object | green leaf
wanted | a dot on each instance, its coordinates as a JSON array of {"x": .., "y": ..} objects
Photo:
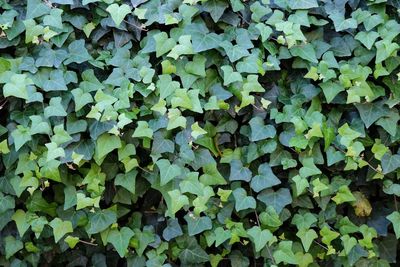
[
  {"x": 348, "y": 243},
  {"x": 367, "y": 38},
  {"x": 309, "y": 168},
  {"x": 259, "y": 131},
  {"x": 307, "y": 236},
  {"x": 328, "y": 235},
  {"x": 239, "y": 172},
  {"x": 143, "y": 130},
  {"x": 118, "y": 12},
  {"x": 127, "y": 181},
  {"x": 17, "y": 86},
  {"x": 276, "y": 199},
  {"x": 197, "y": 130},
  {"x": 305, "y": 52},
  {"x": 371, "y": 112},
  {"x": 100, "y": 221},
  {"x": 107, "y": 143},
  {"x": 197, "y": 225},
  {"x": 168, "y": 171},
  {"x": 60, "y": 228},
  {"x": 21, "y": 135},
  {"x": 331, "y": 90},
  {"x": 77, "y": 52},
  {"x": 390, "y": 163},
  {"x": 120, "y": 239},
  {"x": 36, "y": 8},
  {"x": 177, "y": 201},
  {"x": 343, "y": 195},
  {"x": 71, "y": 241},
  {"x": 242, "y": 201},
  {"x": 216, "y": 8},
  {"x": 12, "y": 246},
  {"x": 394, "y": 218},
  {"x": 20, "y": 218},
  {"x": 302, "y": 4},
  {"x": 259, "y": 237},
  {"x": 284, "y": 253},
  {"x": 192, "y": 253},
  {"x": 55, "y": 108},
  {"x": 221, "y": 236},
  {"x": 347, "y": 135},
  {"x": 265, "y": 178},
  {"x": 230, "y": 76},
  {"x": 163, "y": 43}
]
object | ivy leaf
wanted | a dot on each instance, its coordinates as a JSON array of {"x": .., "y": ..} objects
[
  {"x": 55, "y": 108},
  {"x": 71, "y": 241},
  {"x": 21, "y": 135},
  {"x": 259, "y": 237},
  {"x": 127, "y": 180},
  {"x": 197, "y": 130},
  {"x": 302, "y": 4},
  {"x": 168, "y": 171},
  {"x": 77, "y": 52},
  {"x": 192, "y": 253},
  {"x": 17, "y": 86},
  {"x": 284, "y": 253},
  {"x": 239, "y": 172},
  {"x": 394, "y": 218},
  {"x": 277, "y": 199},
  {"x": 390, "y": 162},
  {"x": 348, "y": 243},
  {"x": 107, "y": 143},
  {"x": 216, "y": 8},
  {"x": 172, "y": 230},
  {"x": 120, "y": 239},
  {"x": 309, "y": 168},
  {"x": 230, "y": 76},
  {"x": 36, "y": 8},
  {"x": 259, "y": 131},
  {"x": 343, "y": 195},
  {"x": 12, "y": 246},
  {"x": 265, "y": 178},
  {"x": 331, "y": 90},
  {"x": 371, "y": 112},
  {"x": 100, "y": 221},
  {"x": 221, "y": 236},
  {"x": 118, "y": 12},
  {"x": 242, "y": 201},
  {"x": 306, "y": 52},
  {"x": 367, "y": 38},
  {"x": 307, "y": 237},
  {"x": 163, "y": 43},
  {"x": 202, "y": 40},
  {"x": 143, "y": 130},
  {"x": 20, "y": 218},
  {"x": 177, "y": 202},
  {"x": 60, "y": 228},
  {"x": 197, "y": 225}
]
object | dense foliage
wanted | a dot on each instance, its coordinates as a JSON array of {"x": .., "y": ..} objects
[{"x": 199, "y": 132}]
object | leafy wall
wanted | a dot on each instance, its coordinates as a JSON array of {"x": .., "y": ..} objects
[{"x": 199, "y": 133}]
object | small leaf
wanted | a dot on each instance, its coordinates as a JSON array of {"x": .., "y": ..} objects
[
  {"x": 168, "y": 171},
  {"x": 120, "y": 239},
  {"x": 307, "y": 237},
  {"x": 60, "y": 228},
  {"x": 265, "y": 178},
  {"x": 118, "y": 12},
  {"x": 259, "y": 237},
  {"x": 390, "y": 162}
]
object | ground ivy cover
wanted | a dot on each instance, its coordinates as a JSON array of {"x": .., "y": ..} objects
[{"x": 199, "y": 132}]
